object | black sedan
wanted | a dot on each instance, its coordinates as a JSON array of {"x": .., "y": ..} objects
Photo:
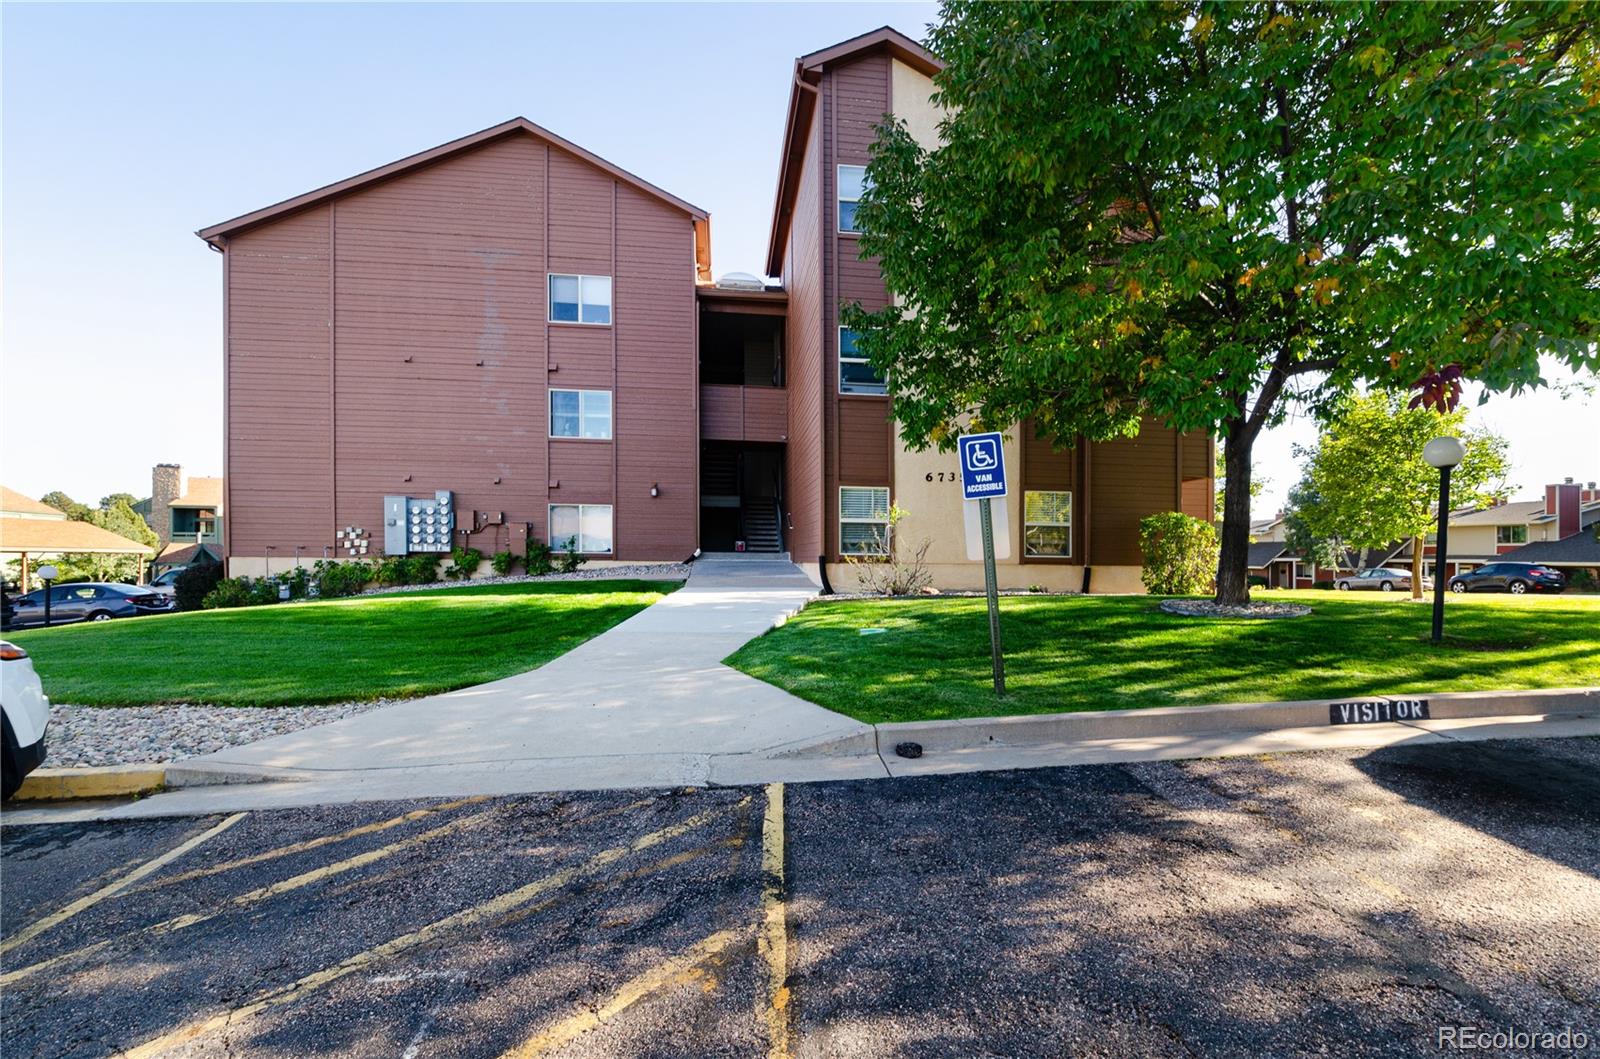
[
  {"x": 84, "y": 601},
  {"x": 1516, "y": 578}
]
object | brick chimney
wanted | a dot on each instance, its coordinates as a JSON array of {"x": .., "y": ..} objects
[
  {"x": 166, "y": 485},
  {"x": 1563, "y": 501}
]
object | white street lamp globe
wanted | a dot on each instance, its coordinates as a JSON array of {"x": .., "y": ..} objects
[
  {"x": 1444, "y": 452},
  {"x": 48, "y": 573}
]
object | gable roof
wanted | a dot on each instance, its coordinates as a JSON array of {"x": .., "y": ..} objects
[
  {"x": 42, "y": 535},
  {"x": 1579, "y": 549},
  {"x": 1263, "y": 552},
  {"x": 1517, "y": 513},
  {"x": 176, "y": 554},
  {"x": 200, "y": 492},
  {"x": 13, "y": 502},
  {"x": 218, "y": 234},
  {"x": 808, "y": 70}
]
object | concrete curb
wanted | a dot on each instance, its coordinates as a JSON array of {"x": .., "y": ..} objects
[
  {"x": 110, "y": 781},
  {"x": 973, "y": 732}
]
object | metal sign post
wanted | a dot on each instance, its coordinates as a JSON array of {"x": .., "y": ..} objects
[{"x": 983, "y": 478}]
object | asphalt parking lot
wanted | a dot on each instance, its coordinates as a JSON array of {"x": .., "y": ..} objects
[{"x": 1348, "y": 903}]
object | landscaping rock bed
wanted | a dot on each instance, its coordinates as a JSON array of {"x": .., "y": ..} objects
[
  {"x": 120, "y": 735},
  {"x": 651, "y": 571},
  {"x": 1204, "y": 608}
]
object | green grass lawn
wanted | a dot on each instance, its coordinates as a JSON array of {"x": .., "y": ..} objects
[
  {"x": 393, "y": 645},
  {"x": 1101, "y": 652}
]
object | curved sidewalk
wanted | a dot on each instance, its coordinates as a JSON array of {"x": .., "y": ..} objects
[{"x": 651, "y": 691}]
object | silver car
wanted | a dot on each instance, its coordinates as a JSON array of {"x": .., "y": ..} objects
[{"x": 1381, "y": 578}]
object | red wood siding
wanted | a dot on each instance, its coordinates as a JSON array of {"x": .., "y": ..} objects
[
  {"x": 278, "y": 388},
  {"x": 437, "y": 272},
  {"x": 743, "y": 413},
  {"x": 864, "y": 457},
  {"x": 421, "y": 359},
  {"x": 855, "y": 98},
  {"x": 1044, "y": 467},
  {"x": 657, "y": 419},
  {"x": 806, "y": 360},
  {"x": 1130, "y": 478}
]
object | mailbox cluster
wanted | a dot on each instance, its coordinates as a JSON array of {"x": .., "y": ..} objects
[
  {"x": 353, "y": 539},
  {"x": 418, "y": 525}
]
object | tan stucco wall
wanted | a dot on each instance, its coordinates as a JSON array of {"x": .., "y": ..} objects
[
  {"x": 1472, "y": 540},
  {"x": 934, "y": 508},
  {"x": 910, "y": 93},
  {"x": 968, "y": 577}
]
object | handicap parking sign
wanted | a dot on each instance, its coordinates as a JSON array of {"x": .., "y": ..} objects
[{"x": 983, "y": 467}]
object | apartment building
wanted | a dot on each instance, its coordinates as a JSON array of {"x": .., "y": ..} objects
[{"x": 508, "y": 336}]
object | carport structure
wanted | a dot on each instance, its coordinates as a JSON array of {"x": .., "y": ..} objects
[{"x": 36, "y": 539}]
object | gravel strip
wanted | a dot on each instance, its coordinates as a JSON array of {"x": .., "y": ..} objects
[
  {"x": 1204, "y": 608},
  {"x": 123, "y": 735},
  {"x": 647, "y": 571}
]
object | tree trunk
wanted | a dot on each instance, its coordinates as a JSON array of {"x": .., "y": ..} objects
[
  {"x": 1416, "y": 568},
  {"x": 1233, "y": 565}
]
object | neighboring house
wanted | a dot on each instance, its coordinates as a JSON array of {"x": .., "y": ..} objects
[
  {"x": 33, "y": 532},
  {"x": 186, "y": 514},
  {"x": 513, "y": 319},
  {"x": 1503, "y": 531}
]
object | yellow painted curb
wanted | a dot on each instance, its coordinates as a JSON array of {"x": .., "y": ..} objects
[{"x": 111, "y": 781}]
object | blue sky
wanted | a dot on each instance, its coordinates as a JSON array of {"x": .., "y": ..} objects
[{"x": 125, "y": 128}]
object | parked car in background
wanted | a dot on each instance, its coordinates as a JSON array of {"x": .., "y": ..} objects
[
  {"x": 85, "y": 601},
  {"x": 167, "y": 583},
  {"x": 1381, "y": 578},
  {"x": 24, "y": 713},
  {"x": 1516, "y": 578}
]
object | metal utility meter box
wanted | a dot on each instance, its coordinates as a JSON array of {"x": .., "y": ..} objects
[{"x": 412, "y": 525}]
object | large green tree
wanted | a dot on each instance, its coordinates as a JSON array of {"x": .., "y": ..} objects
[
  {"x": 1215, "y": 212},
  {"x": 1367, "y": 485},
  {"x": 66, "y": 505}
]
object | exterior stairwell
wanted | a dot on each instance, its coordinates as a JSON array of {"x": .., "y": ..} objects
[{"x": 762, "y": 532}]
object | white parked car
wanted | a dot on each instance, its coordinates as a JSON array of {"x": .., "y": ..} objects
[{"x": 24, "y": 711}]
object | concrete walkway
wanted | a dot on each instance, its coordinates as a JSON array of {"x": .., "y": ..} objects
[{"x": 651, "y": 691}]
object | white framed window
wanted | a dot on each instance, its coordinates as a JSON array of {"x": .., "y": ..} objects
[
  {"x": 1047, "y": 524},
  {"x": 580, "y": 414},
  {"x": 580, "y": 299},
  {"x": 863, "y": 520},
  {"x": 588, "y": 526},
  {"x": 852, "y": 184},
  {"x": 856, "y": 374},
  {"x": 1511, "y": 534}
]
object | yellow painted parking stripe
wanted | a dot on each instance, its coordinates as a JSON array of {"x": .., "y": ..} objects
[
  {"x": 773, "y": 940},
  {"x": 34, "y": 929},
  {"x": 317, "y": 843},
  {"x": 467, "y": 917},
  {"x": 252, "y": 896},
  {"x": 676, "y": 971}
]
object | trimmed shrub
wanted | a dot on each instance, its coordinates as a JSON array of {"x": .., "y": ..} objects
[
  {"x": 1257, "y": 581},
  {"x": 234, "y": 592},
  {"x": 464, "y": 562},
  {"x": 422, "y": 569},
  {"x": 333, "y": 579},
  {"x": 539, "y": 559},
  {"x": 195, "y": 582},
  {"x": 391, "y": 570},
  {"x": 1180, "y": 554},
  {"x": 263, "y": 591},
  {"x": 1322, "y": 584},
  {"x": 503, "y": 563},
  {"x": 569, "y": 560}
]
